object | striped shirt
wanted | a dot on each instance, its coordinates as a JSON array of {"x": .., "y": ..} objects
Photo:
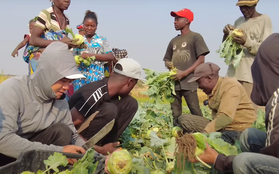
[
  {"x": 87, "y": 99},
  {"x": 47, "y": 20}
]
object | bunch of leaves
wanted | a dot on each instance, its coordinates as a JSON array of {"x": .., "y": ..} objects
[
  {"x": 85, "y": 165},
  {"x": 231, "y": 51},
  {"x": 190, "y": 146},
  {"x": 260, "y": 122},
  {"x": 149, "y": 138},
  {"x": 160, "y": 86}
]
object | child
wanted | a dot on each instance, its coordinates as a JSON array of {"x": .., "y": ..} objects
[
  {"x": 26, "y": 38},
  {"x": 81, "y": 30}
]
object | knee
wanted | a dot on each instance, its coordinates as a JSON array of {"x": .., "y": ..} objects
[
  {"x": 241, "y": 163},
  {"x": 244, "y": 139},
  {"x": 62, "y": 134}
]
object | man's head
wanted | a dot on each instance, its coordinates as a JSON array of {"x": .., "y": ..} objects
[
  {"x": 182, "y": 18},
  {"x": 247, "y": 7},
  {"x": 126, "y": 74},
  {"x": 206, "y": 75},
  {"x": 55, "y": 71}
]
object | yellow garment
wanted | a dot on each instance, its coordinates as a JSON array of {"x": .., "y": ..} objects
[{"x": 231, "y": 107}]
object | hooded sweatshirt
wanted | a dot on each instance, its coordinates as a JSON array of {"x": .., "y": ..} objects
[
  {"x": 265, "y": 72},
  {"x": 28, "y": 105}
]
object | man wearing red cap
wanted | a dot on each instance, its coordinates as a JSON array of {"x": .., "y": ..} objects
[
  {"x": 185, "y": 52},
  {"x": 256, "y": 28}
]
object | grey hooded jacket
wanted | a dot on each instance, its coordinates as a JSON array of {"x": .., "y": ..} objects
[{"x": 28, "y": 105}]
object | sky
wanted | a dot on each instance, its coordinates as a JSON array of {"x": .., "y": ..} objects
[{"x": 142, "y": 27}]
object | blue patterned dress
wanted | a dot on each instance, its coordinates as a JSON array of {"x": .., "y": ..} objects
[{"x": 95, "y": 71}]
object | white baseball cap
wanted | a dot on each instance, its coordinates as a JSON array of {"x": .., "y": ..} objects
[{"x": 130, "y": 68}]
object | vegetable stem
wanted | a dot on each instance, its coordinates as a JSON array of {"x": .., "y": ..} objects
[{"x": 203, "y": 162}]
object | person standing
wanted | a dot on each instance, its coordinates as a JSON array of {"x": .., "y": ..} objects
[
  {"x": 256, "y": 28},
  {"x": 97, "y": 46},
  {"x": 185, "y": 52},
  {"x": 50, "y": 27}
]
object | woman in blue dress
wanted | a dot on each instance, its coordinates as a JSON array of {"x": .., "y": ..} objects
[{"x": 97, "y": 46}]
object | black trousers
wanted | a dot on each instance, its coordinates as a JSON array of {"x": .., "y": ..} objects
[
  {"x": 192, "y": 100},
  {"x": 122, "y": 111},
  {"x": 58, "y": 134}
]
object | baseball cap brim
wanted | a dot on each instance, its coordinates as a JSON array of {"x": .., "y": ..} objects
[
  {"x": 173, "y": 13},
  {"x": 246, "y": 3},
  {"x": 193, "y": 79},
  {"x": 75, "y": 76}
]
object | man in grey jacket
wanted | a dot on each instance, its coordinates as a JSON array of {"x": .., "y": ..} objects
[{"x": 33, "y": 112}]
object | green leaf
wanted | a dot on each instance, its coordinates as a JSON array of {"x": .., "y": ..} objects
[
  {"x": 56, "y": 160},
  {"x": 200, "y": 138},
  {"x": 155, "y": 140}
]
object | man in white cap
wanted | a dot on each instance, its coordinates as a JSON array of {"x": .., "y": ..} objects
[
  {"x": 256, "y": 28},
  {"x": 110, "y": 97},
  {"x": 33, "y": 114}
]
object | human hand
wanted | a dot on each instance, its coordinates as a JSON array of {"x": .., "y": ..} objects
[
  {"x": 169, "y": 64},
  {"x": 109, "y": 148},
  {"x": 227, "y": 29},
  {"x": 209, "y": 156},
  {"x": 240, "y": 39},
  {"x": 179, "y": 75},
  {"x": 73, "y": 149},
  {"x": 85, "y": 55},
  {"x": 71, "y": 43},
  {"x": 15, "y": 53}
]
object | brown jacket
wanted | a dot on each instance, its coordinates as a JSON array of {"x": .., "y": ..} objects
[{"x": 231, "y": 107}]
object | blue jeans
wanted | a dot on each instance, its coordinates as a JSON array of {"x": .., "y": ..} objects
[
  {"x": 252, "y": 140},
  {"x": 255, "y": 163}
]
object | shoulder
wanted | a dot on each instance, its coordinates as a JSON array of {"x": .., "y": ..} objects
[
  {"x": 99, "y": 37},
  {"x": 240, "y": 19},
  {"x": 196, "y": 35},
  {"x": 175, "y": 38},
  {"x": 13, "y": 85},
  {"x": 230, "y": 83},
  {"x": 264, "y": 16}
]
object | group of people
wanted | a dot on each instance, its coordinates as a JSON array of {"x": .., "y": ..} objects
[
  {"x": 34, "y": 113},
  {"x": 234, "y": 99}
]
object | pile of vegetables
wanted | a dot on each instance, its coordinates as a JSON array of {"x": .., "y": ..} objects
[
  {"x": 85, "y": 165},
  {"x": 230, "y": 50},
  {"x": 86, "y": 62},
  {"x": 154, "y": 143},
  {"x": 160, "y": 86}
]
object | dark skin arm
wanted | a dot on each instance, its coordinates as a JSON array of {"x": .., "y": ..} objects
[
  {"x": 78, "y": 119},
  {"x": 19, "y": 46},
  {"x": 37, "y": 41},
  {"x": 181, "y": 74},
  {"x": 101, "y": 57}
]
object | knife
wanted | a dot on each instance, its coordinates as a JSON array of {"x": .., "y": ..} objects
[
  {"x": 99, "y": 135},
  {"x": 87, "y": 122}
]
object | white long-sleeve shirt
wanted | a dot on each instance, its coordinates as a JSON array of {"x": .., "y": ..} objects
[{"x": 257, "y": 30}]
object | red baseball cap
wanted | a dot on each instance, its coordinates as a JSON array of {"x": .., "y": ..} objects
[{"x": 184, "y": 13}]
